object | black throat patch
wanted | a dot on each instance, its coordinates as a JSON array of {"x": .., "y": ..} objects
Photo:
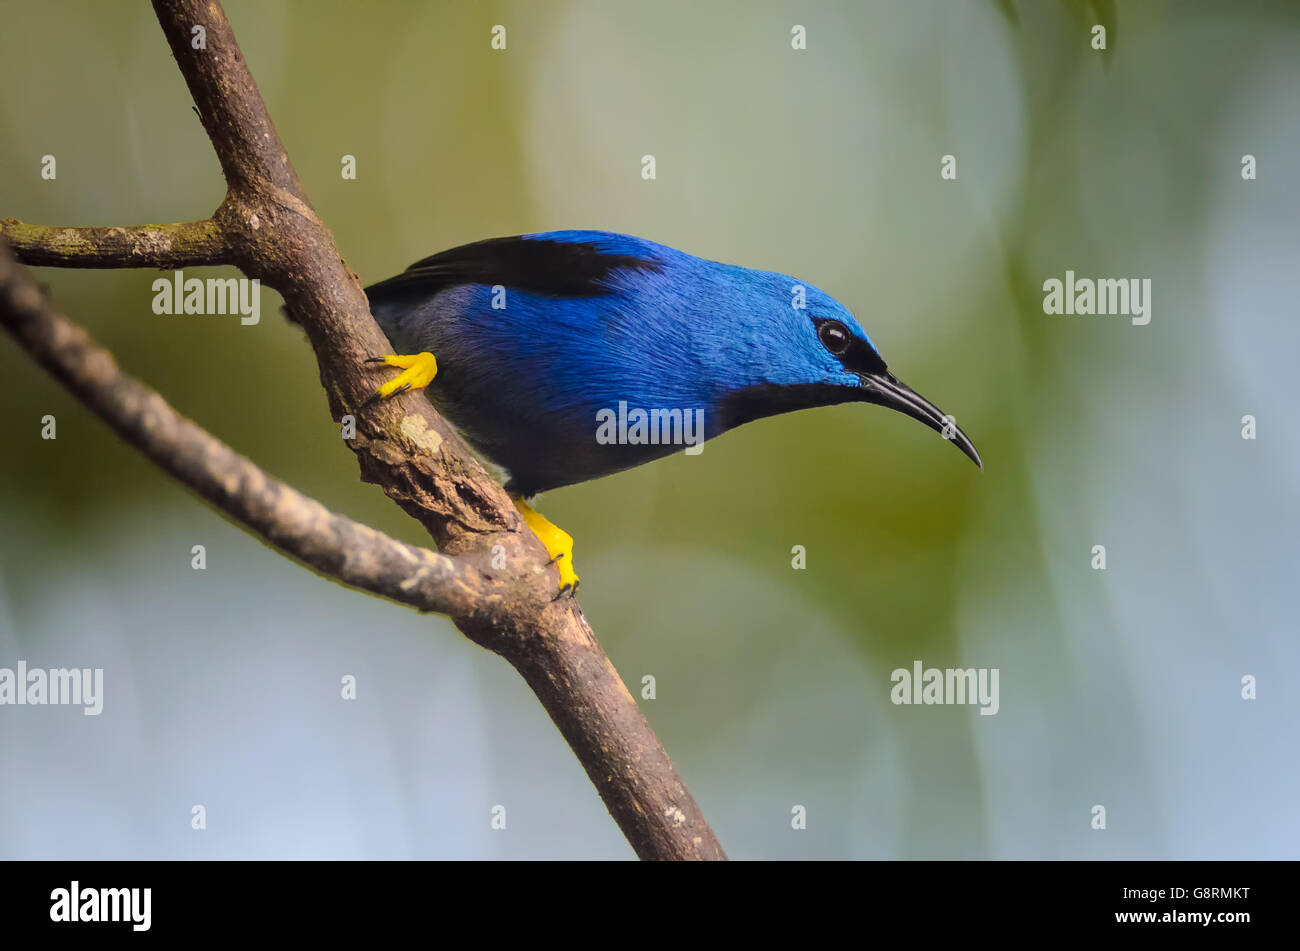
[{"x": 771, "y": 399}]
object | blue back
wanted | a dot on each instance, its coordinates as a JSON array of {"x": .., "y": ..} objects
[{"x": 656, "y": 328}]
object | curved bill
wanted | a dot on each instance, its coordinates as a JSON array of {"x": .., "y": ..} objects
[{"x": 885, "y": 389}]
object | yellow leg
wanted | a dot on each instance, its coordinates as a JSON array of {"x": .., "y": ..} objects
[
  {"x": 558, "y": 542},
  {"x": 418, "y": 371}
]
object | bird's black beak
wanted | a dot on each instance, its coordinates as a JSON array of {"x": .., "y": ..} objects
[{"x": 884, "y": 389}]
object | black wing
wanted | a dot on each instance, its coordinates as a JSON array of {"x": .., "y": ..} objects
[{"x": 532, "y": 265}]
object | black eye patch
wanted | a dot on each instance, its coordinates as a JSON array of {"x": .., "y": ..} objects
[{"x": 856, "y": 354}]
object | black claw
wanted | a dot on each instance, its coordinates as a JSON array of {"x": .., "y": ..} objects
[
  {"x": 556, "y": 558},
  {"x": 375, "y": 397},
  {"x": 374, "y": 359}
]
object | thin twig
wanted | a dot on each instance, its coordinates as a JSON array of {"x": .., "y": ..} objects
[{"x": 186, "y": 244}]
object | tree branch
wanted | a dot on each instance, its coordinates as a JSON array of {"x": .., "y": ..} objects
[
  {"x": 298, "y": 526},
  {"x": 188, "y": 244},
  {"x": 269, "y": 230}
]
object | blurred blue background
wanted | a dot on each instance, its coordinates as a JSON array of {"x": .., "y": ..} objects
[{"x": 1119, "y": 687}]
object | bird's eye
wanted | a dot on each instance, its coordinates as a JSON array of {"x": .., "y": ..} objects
[{"x": 834, "y": 336}]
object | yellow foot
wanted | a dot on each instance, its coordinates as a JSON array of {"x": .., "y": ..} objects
[
  {"x": 418, "y": 371},
  {"x": 558, "y": 542}
]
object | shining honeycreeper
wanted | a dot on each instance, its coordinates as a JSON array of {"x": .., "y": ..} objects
[{"x": 539, "y": 341}]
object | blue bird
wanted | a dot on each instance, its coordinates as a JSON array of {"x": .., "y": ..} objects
[{"x": 570, "y": 355}]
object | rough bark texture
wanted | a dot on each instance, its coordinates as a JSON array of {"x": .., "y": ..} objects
[{"x": 188, "y": 244}]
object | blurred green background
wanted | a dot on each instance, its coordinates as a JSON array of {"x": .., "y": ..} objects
[{"x": 1119, "y": 687}]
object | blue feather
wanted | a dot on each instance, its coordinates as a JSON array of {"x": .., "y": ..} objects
[{"x": 586, "y": 320}]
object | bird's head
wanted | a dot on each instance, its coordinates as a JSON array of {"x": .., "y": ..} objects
[{"x": 826, "y": 358}]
